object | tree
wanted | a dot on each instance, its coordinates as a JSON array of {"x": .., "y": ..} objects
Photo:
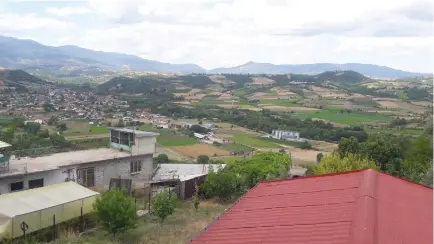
[
  {"x": 48, "y": 107},
  {"x": 121, "y": 123},
  {"x": 162, "y": 158},
  {"x": 196, "y": 200},
  {"x": 44, "y": 134},
  {"x": 222, "y": 184},
  {"x": 164, "y": 204},
  {"x": 333, "y": 163},
  {"x": 348, "y": 146},
  {"x": 202, "y": 159},
  {"x": 429, "y": 126},
  {"x": 52, "y": 120},
  {"x": 198, "y": 129},
  {"x": 262, "y": 166},
  {"x": 387, "y": 151},
  {"x": 418, "y": 159},
  {"x": 319, "y": 156},
  {"x": 428, "y": 177},
  {"x": 32, "y": 128},
  {"x": 61, "y": 127},
  {"x": 116, "y": 211}
]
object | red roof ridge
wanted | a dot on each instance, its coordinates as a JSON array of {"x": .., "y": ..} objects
[
  {"x": 364, "y": 223},
  {"x": 316, "y": 176}
]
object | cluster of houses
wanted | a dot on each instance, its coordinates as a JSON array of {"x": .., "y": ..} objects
[{"x": 63, "y": 104}]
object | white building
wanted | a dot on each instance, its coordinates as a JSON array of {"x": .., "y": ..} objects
[
  {"x": 285, "y": 135},
  {"x": 129, "y": 157}
]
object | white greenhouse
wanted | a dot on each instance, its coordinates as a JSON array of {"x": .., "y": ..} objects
[{"x": 36, "y": 207}]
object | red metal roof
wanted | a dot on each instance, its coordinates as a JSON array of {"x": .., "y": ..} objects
[{"x": 358, "y": 207}]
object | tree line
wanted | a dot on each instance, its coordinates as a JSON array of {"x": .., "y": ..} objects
[{"x": 266, "y": 121}]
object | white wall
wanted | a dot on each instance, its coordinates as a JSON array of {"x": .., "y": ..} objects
[
  {"x": 144, "y": 145},
  {"x": 50, "y": 177},
  {"x": 104, "y": 171}
]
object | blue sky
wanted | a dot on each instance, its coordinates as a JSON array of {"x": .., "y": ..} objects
[{"x": 216, "y": 33}]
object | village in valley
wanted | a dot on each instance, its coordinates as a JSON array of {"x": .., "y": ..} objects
[{"x": 165, "y": 122}]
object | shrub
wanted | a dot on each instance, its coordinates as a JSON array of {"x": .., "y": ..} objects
[
  {"x": 116, "y": 211},
  {"x": 162, "y": 158},
  {"x": 202, "y": 159},
  {"x": 164, "y": 204},
  {"x": 333, "y": 163}
]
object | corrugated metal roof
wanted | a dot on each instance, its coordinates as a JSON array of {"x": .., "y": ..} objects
[
  {"x": 138, "y": 133},
  {"x": 184, "y": 171},
  {"x": 19, "y": 203},
  {"x": 359, "y": 207},
  {"x": 4, "y": 144}
]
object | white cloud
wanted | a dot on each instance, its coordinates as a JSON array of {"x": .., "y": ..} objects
[
  {"x": 67, "y": 11},
  {"x": 217, "y": 33},
  {"x": 10, "y": 23}
]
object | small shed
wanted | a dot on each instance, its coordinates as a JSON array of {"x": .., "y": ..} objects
[
  {"x": 186, "y": 175},
  {"x": 36, "y": 207}
]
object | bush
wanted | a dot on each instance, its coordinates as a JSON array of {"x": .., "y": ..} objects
[
  {"x": 162, "y": 158},
  {"x": 164, "y": 204},
  {"x": 319, "y": 156},
  {"x": 216, "y": 143},
  {"x": 333, "y": 163},
  {"x": 222, "y": 184},
  {"x": 304, "y": 145},
  {"x": 202, "y": 159},
  {"x": 116, "y": 211}
]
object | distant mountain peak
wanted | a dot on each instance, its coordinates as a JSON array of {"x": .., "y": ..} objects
[{"x": 76, "y": 61}]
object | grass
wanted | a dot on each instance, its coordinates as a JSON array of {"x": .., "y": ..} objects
[
  {"x": 245, "y": 106},
  {"x": 296, "y": 144},
  {"x": 228, "y": 159},
  {"x": 177, "y": 228},
  {"x": 175, "y": 140},
  {"x": 85, "y": 129},
  {"x": 281, "y": 102},
  {"x": 4, "y": 120},
  {"x": 344, "y": 118},
  {"x": 365, "y": 102},
  {"x": 237, "y": 148},
  {"x": 253, "y": 141},
  {"x": 395, "y": 131}
]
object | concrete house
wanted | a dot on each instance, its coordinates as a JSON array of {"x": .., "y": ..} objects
[{"x": 129, "y": 156}]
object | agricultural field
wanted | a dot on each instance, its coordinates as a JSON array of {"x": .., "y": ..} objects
[
  {"x": 194, "y": 151},
  {"x": 396, "y": 131},
  {"x": 352, "y": 118},
  {"x": 92, "y": 143},
  {"x": 237, "y": 148},
  {"x": 4, "y": 120},
  {"x": 253, "y": 141},
  {"x": 80, "y": 128},
  {"x": 228, "y": 159},
  {"x": 170, "y": 140}
]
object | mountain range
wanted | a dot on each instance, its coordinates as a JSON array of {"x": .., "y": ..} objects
[{"x": 73, "y": 61}]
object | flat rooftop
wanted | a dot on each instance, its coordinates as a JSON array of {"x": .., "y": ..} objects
[
  {"x": 138, "y": 133},
  {"x": 56, "y": 160}
]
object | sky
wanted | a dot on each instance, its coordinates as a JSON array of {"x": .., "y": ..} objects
[{"x": 225, "y": 33}]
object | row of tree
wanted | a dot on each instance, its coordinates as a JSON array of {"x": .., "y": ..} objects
[
  {"x": 400, "y": 156},
  {"x": 266, "y": 121}
]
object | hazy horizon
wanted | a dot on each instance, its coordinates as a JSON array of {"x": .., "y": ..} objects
[{"x": 227, "y": 33}]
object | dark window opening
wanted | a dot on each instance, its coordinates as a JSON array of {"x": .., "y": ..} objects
[
  {"x": 86, "y": 177},
  {"x": 135, "y": 166},
  {"x": 36, "y": 183},
  {"x": 17, "y": 186}
]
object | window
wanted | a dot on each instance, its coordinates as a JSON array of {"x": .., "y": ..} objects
[
  {"x": 135, "y": 166},
  {"x": 17, "y": 186},
  {"x": 86, "y": 177},
  {"x": 36, "y": 183}
]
